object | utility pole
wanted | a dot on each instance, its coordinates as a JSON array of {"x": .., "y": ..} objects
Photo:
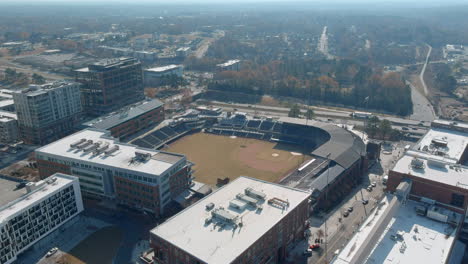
[{"x": 326, "y": 201}]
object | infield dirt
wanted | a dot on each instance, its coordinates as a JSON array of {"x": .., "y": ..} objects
[{"x": 222, "y": 156}]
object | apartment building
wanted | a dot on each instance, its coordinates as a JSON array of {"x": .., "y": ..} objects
[
  {"x": 110, "y": 84},
  {"x": 8, "y": 128},
  {"x": 131, "y": 119},
  {"x": 246, "y": 221},
  {"x": 31, "y": 213},
  {"x": 48, "y": 112},
  {"x": 144, "y": 179}
]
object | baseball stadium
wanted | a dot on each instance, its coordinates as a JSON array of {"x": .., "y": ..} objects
[{"x": 304, "y": 154}]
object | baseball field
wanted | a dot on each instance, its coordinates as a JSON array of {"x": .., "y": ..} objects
[{"x": 223, "y": 156}]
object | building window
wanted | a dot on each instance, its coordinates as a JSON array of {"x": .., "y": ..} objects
[{"x": 457, "y": 200}]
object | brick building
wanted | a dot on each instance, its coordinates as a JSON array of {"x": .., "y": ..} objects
[
  {"x": 246, "y": 221},
  {"x": 436, "y": 165},
  {"x": 110, "y": 84},
  {"x": 131, "y": 119},
  {"x": 142, "y": 178}
]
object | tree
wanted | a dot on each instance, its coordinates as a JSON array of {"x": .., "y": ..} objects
[
  {"x": 310, "y": 113},
  {"x": 37, "y": 78},
  {"x": 385, "y": 128},
  {"x": 372, "y": 125},
  {"x": 294, "y": 111},
  {"x": 10, "y": 75}
]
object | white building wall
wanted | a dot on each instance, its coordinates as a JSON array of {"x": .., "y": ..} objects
[{"x": 27, "y": 226}]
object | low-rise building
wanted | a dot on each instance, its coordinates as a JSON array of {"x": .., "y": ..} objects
[
  {"x": 131, "y": 119},
  {"x": 30, "y": 213},
  {"x": 230, "y": 65},
  {"x": 437, "y": 166},
  {"x": 246, "y": 221},
  {"x": 399, "y": 230},
  {"x": 48, "y": 112},
  {"x": 153, "y": 76},
  {"x": 8, "y": 128},
  {"x": 141, "y": 178}
]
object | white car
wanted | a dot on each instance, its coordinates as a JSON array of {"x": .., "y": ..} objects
[{"x": 51, "y": 252}]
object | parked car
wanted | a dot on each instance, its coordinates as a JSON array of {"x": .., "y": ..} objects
[
  {"x": 51, "y": 252},
  {"x": 345, "y": 213},
  {"x": 364, "y": 202},
  {"x": 350, "y": 209},
  {"x": 369, "y": 188},
  {"x": 315, "y": 246},
  {"x": 307, "y": 252},
  {"x": 374, "y": 184}
]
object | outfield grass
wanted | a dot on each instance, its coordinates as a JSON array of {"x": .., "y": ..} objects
[{"x": 222, "y": 156}]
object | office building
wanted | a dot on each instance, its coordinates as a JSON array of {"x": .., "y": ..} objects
[
  {"x": 153, "y": 76},
  {"x": 6, "y": 100},
  {"x": 131, "y": 119},
  {"x": 47, "y": 112},
  {"x": 8, "y": 128},
  {"x": 111, "y": 84},
  {"x": 246, "y": 221},
  {"x": 437, "y": 166},
  {"x": 144, "y": 179},
  {"x": 28, "y": 214}
]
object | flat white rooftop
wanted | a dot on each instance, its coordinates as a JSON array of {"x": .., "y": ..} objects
[
  {"x": 189, "y": 232},
  {"x": 163, "y": 68},
  {"x": 156, "y": 165},
  {"x": 424, "y": 240},
  {"x": 434, "y": 170},
  {"x": 228, "y": 63},
  {"x": 6, "y": 116},
  {"x": 455, "y": 141},
  {"x": 41, "y": 190}
]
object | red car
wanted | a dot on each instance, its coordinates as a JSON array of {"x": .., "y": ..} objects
[{"x": 314, "y": 246}]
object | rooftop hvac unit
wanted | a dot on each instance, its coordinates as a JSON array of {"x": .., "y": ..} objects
[
  {"x": 142, "y": 156},
  {"x": 254, "y": 194},
  {"x": 101, "y": 148},
  {"x": 238, "y": 204},
  {"x": 209, "y": 206},
  {"x": 76, "y": 143},
  {"x": 436, "y": 163},
  {"x": 91, "y": 147},
  {"x": 417, "y": 163},
  {"x": 111, "y": 150},
  {"x": 247, "y": 199},
  {"x": 223, "y": 215},
  {"x": 85, "y": 144}
]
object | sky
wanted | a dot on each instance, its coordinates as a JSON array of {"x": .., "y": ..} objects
[{"x": 422, "y": 2}]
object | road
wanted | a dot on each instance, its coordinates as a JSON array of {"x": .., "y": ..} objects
[
  {"x": 421, "y": 75},
  {"x": 319, "y": 112},
  {"x": 422, "y": 108}
]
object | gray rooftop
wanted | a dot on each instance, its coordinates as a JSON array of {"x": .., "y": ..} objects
[
  {"x": 8, "y": 191},
  {"x": 124, "y": 114}
]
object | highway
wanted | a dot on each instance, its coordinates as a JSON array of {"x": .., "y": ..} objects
[
  {"x": 323, "y": 43},
  {"x": 341, "y": 116},
  {"x": 421, "y": 75}
]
